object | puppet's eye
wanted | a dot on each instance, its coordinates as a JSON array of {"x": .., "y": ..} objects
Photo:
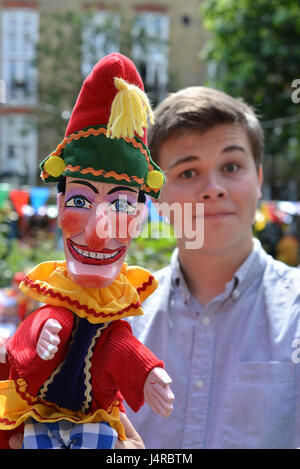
[
  {"x": 122, "y": 205},
  {"x": 78, "y": 201}
]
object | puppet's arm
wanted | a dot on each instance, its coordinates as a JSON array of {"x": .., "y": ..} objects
[
  {"x": 133, "y": 369},
  {"x": 24, "y": 360}
]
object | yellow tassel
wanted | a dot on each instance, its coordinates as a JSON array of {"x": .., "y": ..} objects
[{"x": 129, "y": 111}]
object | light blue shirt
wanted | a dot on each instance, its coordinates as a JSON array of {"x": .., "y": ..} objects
[{"x": 235, "y": 363}]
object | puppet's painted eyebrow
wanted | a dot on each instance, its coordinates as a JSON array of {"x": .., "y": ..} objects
[
  {"x": 85, "y": 183},
  {"x": 115, "y": 189},
  {"x": 121, "y": 188}
]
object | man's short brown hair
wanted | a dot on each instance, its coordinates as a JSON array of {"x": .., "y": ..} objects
[{"x": 200, "y": 109}]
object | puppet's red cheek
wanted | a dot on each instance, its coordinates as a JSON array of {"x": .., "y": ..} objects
[{"x": 72, "y": 222}]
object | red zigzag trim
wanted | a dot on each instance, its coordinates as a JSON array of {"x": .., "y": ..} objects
[
  {"x": 8, "y": 422},
  {"x": 48, "y": 291},
  {"x": 145, "y": 284}
]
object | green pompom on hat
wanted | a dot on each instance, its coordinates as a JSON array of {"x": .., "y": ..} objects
[{"x": 106, "y": 137}]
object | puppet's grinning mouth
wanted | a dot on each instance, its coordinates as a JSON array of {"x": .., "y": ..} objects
[{"x": 106, "y": 256}]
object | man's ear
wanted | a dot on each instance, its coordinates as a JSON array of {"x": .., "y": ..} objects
[
  {"x": 260, "y": 180},
  {"x": 60, "y": 204}
]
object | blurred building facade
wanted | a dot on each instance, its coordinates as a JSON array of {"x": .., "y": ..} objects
[{"x": 166, "y": 37}]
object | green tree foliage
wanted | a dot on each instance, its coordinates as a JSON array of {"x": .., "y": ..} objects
[
  {"x": 60, "y": 51},
  {"x": 58, "y": 61},
  {"x": 255, "y": 47}
]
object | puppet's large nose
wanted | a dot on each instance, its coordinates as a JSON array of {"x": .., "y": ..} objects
[{"x": 97, "y": 229}]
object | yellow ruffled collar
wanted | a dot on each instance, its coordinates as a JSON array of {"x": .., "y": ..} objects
[{"x": 49, "y": 283}]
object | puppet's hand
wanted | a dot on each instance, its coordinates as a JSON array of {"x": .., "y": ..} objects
[
  {"x": 47, "y": 344},
  {"x": 157, "y": 391}
]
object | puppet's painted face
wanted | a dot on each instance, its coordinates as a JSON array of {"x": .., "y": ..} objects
[{"x": 98, "y": 221}]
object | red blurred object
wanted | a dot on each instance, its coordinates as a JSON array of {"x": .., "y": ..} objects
[
  {"x": 18, "y": 277},
  {"x": 19, "y": 199}
]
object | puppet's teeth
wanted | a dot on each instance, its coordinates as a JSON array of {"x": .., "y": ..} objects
[
  {"x": 85, "y": 253},
  {"x": 96, "y": 255},
  {"x": 110, "y": 256}
]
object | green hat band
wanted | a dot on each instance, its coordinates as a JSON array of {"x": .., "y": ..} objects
[{"x": 89, "y": 154}]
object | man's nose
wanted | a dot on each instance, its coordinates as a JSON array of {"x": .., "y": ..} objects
[
  {"x": 212, "y": 188},
  {"x": 97, "y": 230}
]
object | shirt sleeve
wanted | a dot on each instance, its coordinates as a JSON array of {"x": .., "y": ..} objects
[{"x": 24, "y": 361}]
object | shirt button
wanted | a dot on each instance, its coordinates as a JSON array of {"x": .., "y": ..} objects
[
  {"x": 199, "y": 383},
  {"x": 235, "y": 294},
  {"x": 206, "y": 321}
]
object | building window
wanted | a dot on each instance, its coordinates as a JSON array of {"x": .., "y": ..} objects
[
  {"x": 100, "y": 37},
  {"x": 19, "y": 35},
  {"x": 18, "y": 147},
  {"x": 150, "y": 51}
]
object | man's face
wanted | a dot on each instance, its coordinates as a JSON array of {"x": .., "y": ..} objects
[
  {"x": 97, "y": 221},
  {"x": 217, "y": 169}
]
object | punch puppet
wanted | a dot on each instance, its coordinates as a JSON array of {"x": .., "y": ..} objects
[{"x": 74, "y": 360}]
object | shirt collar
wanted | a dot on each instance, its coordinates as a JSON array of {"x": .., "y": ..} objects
[
  {"x": 250, "y": 269},
  {"x": 178, "y": 280}
]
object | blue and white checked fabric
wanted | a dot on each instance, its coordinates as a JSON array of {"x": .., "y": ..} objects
[{"x": 68, "y": 435}]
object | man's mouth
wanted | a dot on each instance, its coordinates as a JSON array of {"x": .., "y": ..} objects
[{"x": 89, "y": 256}]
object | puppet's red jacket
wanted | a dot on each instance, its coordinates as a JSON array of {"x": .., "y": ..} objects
[
  {"x": 119, "y": 362},
  {"x": 97, "y": 361}
]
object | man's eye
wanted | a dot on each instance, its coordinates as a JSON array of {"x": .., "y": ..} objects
[
  {"x": 232, "y": 168},
  {"x": 78, "y": 202},
  {"x": 188, "y": 174},
  {"x": 122, "y": 205}
]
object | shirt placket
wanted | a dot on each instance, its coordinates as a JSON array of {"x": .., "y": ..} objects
[{"x": 201, "y": 370}]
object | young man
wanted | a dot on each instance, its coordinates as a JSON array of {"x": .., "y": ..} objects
[{"x": 226, "y": 316}]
